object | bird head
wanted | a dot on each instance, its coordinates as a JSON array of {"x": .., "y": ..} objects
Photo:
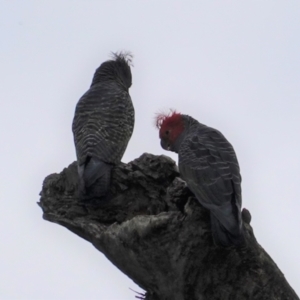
[
  {"x": 170, "y": 128},
  {"x": 117, "y": 69}
]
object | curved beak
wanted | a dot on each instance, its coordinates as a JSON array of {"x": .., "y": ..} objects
[{"x": 165, "y": 145}]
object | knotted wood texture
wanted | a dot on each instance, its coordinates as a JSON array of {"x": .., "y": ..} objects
[{"x": 155, "y": 232}]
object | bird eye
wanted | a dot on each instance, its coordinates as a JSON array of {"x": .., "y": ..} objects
[{"x": 167, "y": 132}]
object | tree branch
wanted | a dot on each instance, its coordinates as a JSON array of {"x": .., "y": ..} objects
[{"x": 156, "y": 232}]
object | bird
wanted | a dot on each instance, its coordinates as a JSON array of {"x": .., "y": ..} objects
[
  {"x": 102, "y": 125},
  {"x": 208, "y": 164}
]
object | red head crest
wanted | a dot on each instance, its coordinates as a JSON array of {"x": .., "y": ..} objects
[{"x": 171, "y": 121}]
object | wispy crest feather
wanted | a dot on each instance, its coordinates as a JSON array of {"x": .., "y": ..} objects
[
  {"x": 126, "y": 56},
  {"x": 161, "y": 117}
]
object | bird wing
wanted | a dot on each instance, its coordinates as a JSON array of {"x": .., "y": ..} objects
[
  {"x": 103, "y": 123},
  {"x": 207, "y": 162}
]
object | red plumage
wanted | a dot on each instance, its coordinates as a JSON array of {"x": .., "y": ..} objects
[{"x": 169, "y": 122}]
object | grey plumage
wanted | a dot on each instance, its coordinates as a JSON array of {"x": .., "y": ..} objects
[
  {"x": 208, "y": 164},
  {"x": 103, "y": 125}
]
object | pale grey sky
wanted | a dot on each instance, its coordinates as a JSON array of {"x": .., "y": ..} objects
[{"x": 233, "y": 65}]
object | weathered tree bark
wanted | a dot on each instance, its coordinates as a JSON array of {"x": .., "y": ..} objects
[{"x": 155, "y": 232}]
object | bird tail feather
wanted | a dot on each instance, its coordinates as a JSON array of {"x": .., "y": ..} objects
[
  {"x": 222, "y": 237},
  {"x": 94, "y": 178}
]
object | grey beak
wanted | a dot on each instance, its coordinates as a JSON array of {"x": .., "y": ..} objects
[{"x": 164, "y": 145}]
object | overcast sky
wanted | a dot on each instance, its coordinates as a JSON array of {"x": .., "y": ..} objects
[{"x": 232, "y": 65}]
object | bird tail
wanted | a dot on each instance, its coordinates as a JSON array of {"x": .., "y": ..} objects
[
  {"x": 222, "y": 237},
  {"x": 94, "y": 179}
]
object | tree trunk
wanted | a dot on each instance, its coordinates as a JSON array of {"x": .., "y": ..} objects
[{"x": 156, "y": 232}]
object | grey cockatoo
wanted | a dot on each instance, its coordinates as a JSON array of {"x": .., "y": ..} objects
[
  {"x": 208, "y": 164},
  {"x": 102, "y": 125}
]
